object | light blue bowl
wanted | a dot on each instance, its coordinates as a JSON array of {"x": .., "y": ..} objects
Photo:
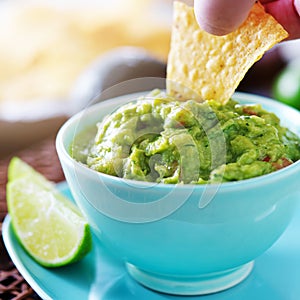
[{"x": 183, "y": 239}]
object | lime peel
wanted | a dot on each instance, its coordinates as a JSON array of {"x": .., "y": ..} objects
[{"x": 49, "y": 227}]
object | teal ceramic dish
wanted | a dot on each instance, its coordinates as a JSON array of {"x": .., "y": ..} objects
[
  {"x": 100, "y": 275},
  {"x": 183, "y": 239}
]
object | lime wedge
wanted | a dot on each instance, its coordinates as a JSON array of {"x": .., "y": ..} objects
[
  {"x": 49, "y": 227},
  {"x": 18, "y": 168}
]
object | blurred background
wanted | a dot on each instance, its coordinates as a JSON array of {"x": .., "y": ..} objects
[{"x": 56, "y": 55}]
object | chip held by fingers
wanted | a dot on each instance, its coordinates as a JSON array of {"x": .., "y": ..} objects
[{"x": 202, "y": 66}]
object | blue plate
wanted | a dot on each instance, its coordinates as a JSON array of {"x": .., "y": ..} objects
[{"x": 101, "y": 276}]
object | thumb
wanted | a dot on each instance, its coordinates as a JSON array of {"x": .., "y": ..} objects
[{"x": 221, "y": 17}]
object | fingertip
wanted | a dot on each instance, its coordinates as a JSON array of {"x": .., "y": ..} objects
[
  {"x": 297, "y": 6},
  {"x": 287, "y": 14},
  {"x": 211, "y": 28},
  {"x": 221, "y": 17},
  {"x": 205, "y": 19}
]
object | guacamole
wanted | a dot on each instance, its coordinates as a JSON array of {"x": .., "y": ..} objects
[{"x": 159, "y": 139}]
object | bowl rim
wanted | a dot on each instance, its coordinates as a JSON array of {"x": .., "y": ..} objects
[{"x": 254, "y": 182}]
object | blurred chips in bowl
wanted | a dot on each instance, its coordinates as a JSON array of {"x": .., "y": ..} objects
[{"x": 45, "y": 45}]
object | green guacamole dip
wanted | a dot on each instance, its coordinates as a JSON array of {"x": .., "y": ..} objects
[{"x": 158, "y": 139}]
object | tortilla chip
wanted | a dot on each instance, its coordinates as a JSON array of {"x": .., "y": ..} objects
[{"x": 202, "y": 66}]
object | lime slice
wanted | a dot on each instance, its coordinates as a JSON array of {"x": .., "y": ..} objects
[
  {"x": 286, "y": 87},
  {"x": 49, "y": 227},
  {"x": 18, "y": 168}
]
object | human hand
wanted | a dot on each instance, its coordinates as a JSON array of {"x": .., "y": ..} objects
[{"x": 221, "y": 17}]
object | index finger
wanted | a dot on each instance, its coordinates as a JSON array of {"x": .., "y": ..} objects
[{"x": 287, "y": 13}]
